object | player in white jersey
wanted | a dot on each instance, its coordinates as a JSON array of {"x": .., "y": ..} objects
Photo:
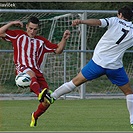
[
  {"x": 118, "y": 37},
  {"x": 107, "y": 57}
]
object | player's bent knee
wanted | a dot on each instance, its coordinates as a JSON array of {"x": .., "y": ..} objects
[
  {"x": 128, "y": 91},
  {"x": 31, "y": 73}
]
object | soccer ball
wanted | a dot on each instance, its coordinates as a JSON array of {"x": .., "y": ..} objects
[{"x": 23, "y": 80}]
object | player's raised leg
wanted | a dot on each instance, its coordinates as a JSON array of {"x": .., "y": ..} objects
[
  {"x": 67, "y": 87},
  {"x": 89, "y": 72}
]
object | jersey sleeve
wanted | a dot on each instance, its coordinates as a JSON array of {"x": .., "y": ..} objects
[
  {"x": 10, "y": 35},
  {"x": 106, "y": 22},
  {"x": 49, "y": 47}
]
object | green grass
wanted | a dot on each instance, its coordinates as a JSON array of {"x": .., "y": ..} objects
[{"x": 66, "y": 115}]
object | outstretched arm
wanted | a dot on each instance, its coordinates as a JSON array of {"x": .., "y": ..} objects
[
  {"x": 62, "y": 43},
  {"x": 5, "y": 27},
  {"x": 91, "y": 22}
]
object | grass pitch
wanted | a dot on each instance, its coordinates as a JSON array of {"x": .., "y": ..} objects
[{"x": 66, "y": 115}]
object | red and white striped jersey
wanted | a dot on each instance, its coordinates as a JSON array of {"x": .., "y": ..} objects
[{"x": 28, "y": 51}]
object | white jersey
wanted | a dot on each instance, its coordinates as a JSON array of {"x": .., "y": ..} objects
[{"x": 111, "y": 47}]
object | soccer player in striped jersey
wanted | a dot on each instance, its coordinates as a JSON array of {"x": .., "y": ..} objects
[
  {"x": 29, "y": 49},
  {"x": 107, "y": 57}
]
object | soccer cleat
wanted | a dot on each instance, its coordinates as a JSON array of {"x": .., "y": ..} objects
[
  {"x": 132, "y": 126},
  {"x": 33, "y": 121},
  {"x": 42, "y": 95},
  {"x": 48, "y": 97}
]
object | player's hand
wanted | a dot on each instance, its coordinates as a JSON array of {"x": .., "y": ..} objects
[
  {"x": 76, "y": 22},
  {"x": 66, "y": 34},
  {"x": 17, "y": 23}
]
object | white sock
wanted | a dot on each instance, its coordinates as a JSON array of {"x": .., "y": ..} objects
[
  {"x": 129, "y": 99},
  {"x": 63, "y": 89}
]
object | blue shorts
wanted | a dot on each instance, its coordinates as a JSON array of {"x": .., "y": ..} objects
[{"x": 116, "y": 76}]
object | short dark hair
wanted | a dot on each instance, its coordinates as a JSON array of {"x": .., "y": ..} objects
[
  {"x": 126, "y": 12},
  {"x": 33, "y": 20}
]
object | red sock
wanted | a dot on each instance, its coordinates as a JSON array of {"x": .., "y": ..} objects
[
  {"x": 41, "y": 109},
  {"x": 34, "y": 86}
]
